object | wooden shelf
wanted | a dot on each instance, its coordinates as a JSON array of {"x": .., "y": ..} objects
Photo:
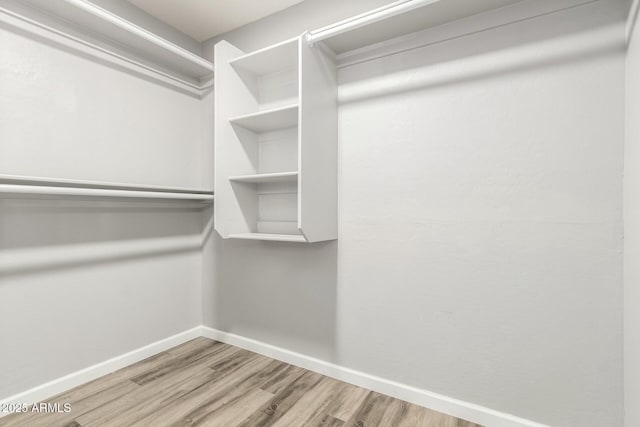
[
  {"x": 273, "y": 237},
  {"x": 269, "y": 60},
  {"x": 266, "y": 120},
  {"x": 266, "y": 178}
]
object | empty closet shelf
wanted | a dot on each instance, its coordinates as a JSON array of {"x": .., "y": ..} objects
[
  {"x": 265, "y": 236},
  {"x": 267, "y": 120},
  {"x": 266, "y": 178},
  {"x": 269, "y": 59}
]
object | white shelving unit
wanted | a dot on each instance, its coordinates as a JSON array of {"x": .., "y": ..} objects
[{"x": 276, "y": 143}]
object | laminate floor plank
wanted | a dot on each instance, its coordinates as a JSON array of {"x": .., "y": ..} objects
[
  {"x": 161, "y": 385},
  {"x": 149, "y": 398},
  {"x": 180, "y": 362},
  {"x": 283, "y": 379},
  {"x": 400, "y": 414},
  {"x": 190, "y": 346},
  {"x": 89, "y": 403},
  {"x": 212, "y": 395},
  {"x": 371, "y": 410},
  {"x": 397, "y": 414},
  {"x": 233, "y": 412},
  {"x": 313, "y": 406},
  {"x": 162, "y": 391},
  {"x": 327, "y": 421},
  {"x": 347, "y": 401},
  {"x": 206, "y": 383},
  {"x": 102, "y": 384},
  {"x": 437, "y": 419},
  {"x": 233, "y": 396}
]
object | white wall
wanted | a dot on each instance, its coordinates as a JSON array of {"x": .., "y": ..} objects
[
  {"x": 480, "y": 222},
  {"x": 84, "y": 281},
  {"x": 632, "y": 229}
]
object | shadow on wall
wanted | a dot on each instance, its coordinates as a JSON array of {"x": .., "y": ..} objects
[
  {"x": 37, "y": 235},
  {"x": 253, "y": 293}
]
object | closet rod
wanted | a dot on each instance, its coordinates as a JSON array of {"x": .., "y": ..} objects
[
  {"x": 38, "y": 186},
  {"x": 40, "y": 190},
  {"x": 370, "y": 17}
]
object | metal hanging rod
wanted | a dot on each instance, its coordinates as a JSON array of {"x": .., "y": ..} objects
[{"x": 38, "y": 186}]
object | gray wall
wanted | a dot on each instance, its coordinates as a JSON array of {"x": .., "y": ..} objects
[
  {"x": 83, "y": 281},
  {"x": 632, "y": 231},
  {"x": 480, "y": 222}
]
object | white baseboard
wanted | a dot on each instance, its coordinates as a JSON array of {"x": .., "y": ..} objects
[
  {"x": 59, "y": 385},
  {"x": 457, "y": 408}
]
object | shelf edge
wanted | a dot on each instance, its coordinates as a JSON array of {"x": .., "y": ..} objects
[
  {"x": 295, "y": 238},
  {"x": 263, "y": 176},
  {"x": 264, "y": 112}
]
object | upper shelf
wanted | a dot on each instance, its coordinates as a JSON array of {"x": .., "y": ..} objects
[
  {"x": 268, "y": 60},
  {"x": 106, "y": 25},
  {"x": 266, "y": 178},
  {"x": 266, "y": 120},
  {"x": 397, "y": 19}
]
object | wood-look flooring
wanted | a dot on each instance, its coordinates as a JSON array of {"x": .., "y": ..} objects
[{"x": 208, "y": 383}]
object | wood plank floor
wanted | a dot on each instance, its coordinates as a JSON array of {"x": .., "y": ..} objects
[{"x": 208, "y": 383}]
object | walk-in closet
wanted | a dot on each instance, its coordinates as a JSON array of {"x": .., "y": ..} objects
[{"x": 304, "y": 213}]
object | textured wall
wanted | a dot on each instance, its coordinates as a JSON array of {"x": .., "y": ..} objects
[
  {"x": 84, "y": 281},
  {"x": 480, "y": 223},
  {"x": 632, "y": 230}
]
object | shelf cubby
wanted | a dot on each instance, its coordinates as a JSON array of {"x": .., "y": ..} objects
[
  {"x": 269, "y": 76},
  {"x": 276, "y": 143},
  {"x": 269, "y": 60}
]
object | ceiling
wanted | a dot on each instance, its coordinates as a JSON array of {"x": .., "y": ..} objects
[{"x": 203, "y": 19}]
